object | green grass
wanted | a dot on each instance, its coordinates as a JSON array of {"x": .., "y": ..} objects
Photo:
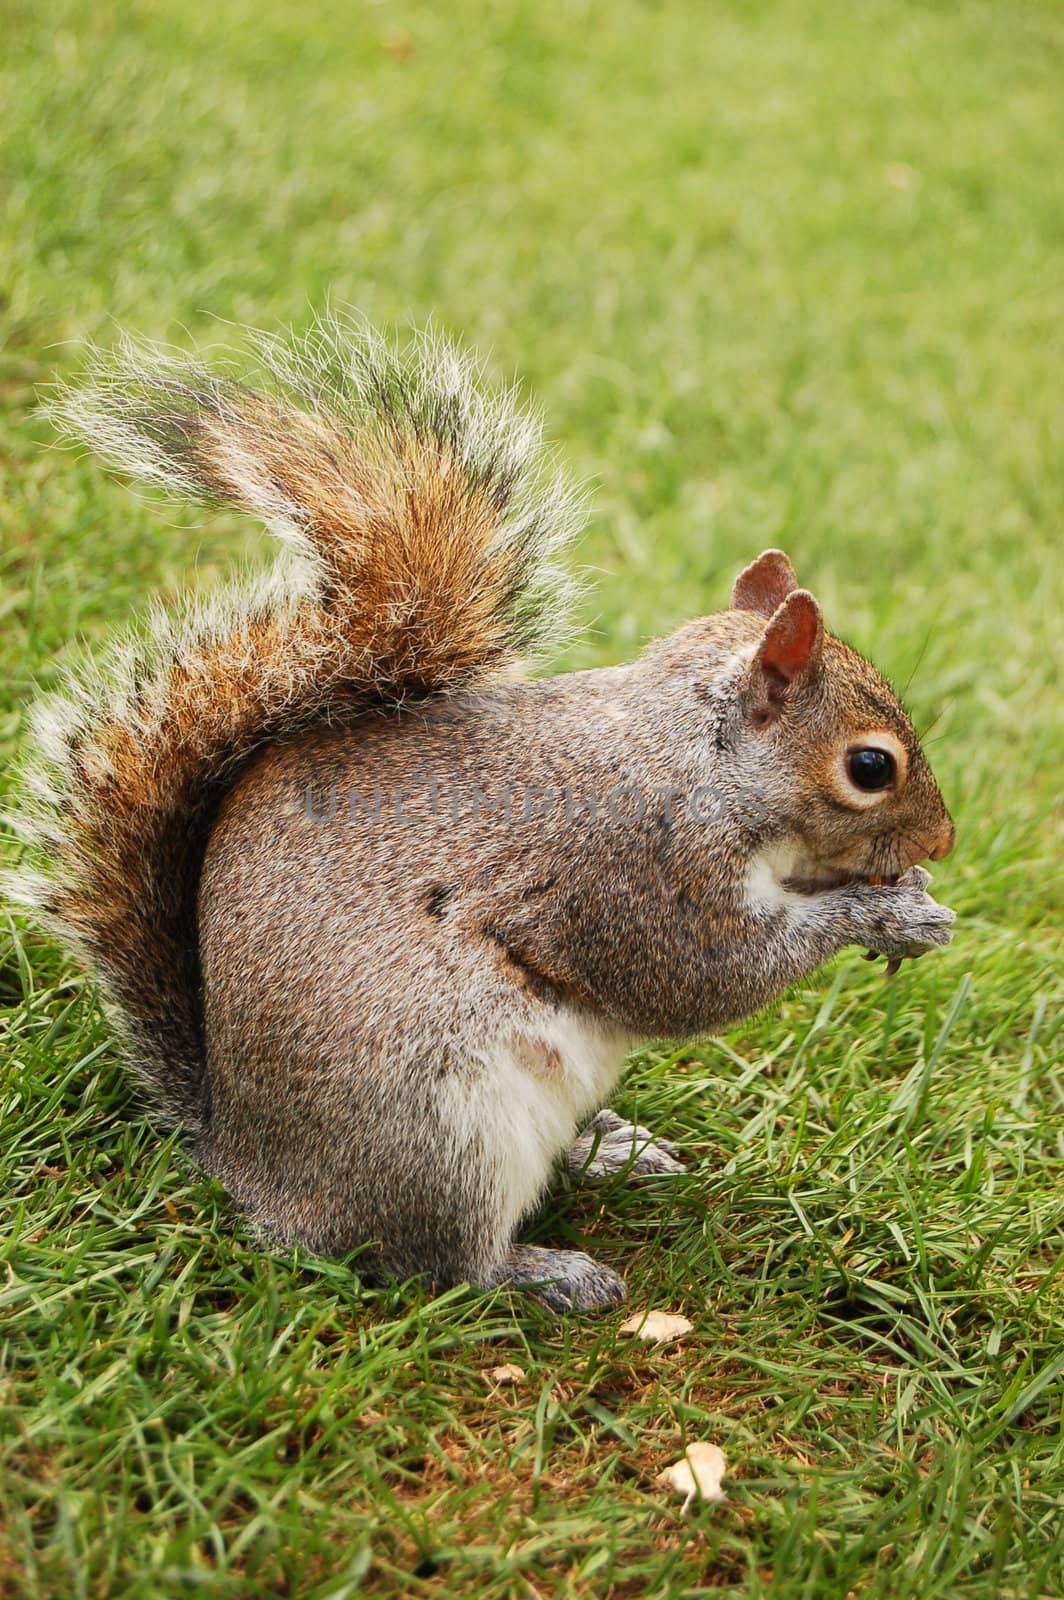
[{"x": 780, "y": 273}]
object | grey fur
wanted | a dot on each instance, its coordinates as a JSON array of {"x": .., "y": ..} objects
[
  {"x": 407, "y": 987},
  {"x": 609, "y": 1145},
  {"x": 565, "y": 1280},
  {"x": 381, "y": 997}
]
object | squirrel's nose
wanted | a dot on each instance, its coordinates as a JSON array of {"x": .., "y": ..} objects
[{"x": 943, "y": 843}]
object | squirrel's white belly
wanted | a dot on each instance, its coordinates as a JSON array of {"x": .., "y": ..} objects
[
  {"x": 538, "y": 1085},
  {"x": 766, "y": 876}
]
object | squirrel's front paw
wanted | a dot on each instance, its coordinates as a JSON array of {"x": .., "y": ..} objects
[{"x": 901, "y": 919}]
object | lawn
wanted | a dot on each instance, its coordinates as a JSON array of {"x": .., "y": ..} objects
[{"x": 779, "y": 273}]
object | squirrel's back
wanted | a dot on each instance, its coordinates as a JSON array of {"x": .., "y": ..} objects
[{"x": 421, "y": 529}]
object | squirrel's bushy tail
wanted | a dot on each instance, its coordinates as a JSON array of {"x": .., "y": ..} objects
[{"x": 422, "y": 528}]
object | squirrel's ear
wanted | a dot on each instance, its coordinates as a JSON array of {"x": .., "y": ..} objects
[
  {"x": 764, "y": 584},
  {"x": 789, "y": 653}
]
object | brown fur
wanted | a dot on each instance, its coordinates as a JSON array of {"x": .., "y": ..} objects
[
  {"x": 380, "y": 1030},
  {"x": 420, "y": 543}
]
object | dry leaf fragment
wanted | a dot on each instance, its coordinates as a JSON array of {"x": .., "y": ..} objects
[
  {"x": 697, "y": 1474},
  {"x": 507, "y": 1374},
  {"x": 900, "y": 175},
  {"x": 399, "y": 44},
  {"x": 657, "y": 1327}
]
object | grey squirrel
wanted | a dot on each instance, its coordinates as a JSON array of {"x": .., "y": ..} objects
[{"x": 380, "y": 915}]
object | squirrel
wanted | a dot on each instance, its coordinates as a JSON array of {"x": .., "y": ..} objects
[{"x": 381, "y": 914}]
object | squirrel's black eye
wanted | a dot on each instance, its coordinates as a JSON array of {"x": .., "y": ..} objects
[{"x": 870, "y": 769}]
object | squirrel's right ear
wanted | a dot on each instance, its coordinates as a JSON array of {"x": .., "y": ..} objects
[
  {"x": 788, "y": 655},
  {"x": 764, "y": 584}
]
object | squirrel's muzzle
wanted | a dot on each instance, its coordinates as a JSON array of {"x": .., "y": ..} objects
[{"x": 943, "y": 841}]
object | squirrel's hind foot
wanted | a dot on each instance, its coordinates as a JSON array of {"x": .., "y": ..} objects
[
  {"x": 609, "y": 1144},
  {"x": 565, "y": 1280}
]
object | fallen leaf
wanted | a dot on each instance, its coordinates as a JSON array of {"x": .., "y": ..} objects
[
  {"x": 658, "y": 1327},
  {"x": 507, "y": 1374},
  {"x": 399, "y": 44},
  {"x": 368, "y": 1419},
  {"x": 900, "y": 175},
  {"x": 697, "y": 1474}
]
